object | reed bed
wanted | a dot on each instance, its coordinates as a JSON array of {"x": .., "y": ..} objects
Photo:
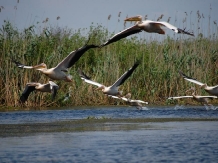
[{"x": 154, "y": 80}]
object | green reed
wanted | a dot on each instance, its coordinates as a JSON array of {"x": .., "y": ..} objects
[{"x": 154, "y": 80}]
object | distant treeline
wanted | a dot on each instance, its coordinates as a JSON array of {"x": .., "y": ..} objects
[{"x": 154, "y": 80}]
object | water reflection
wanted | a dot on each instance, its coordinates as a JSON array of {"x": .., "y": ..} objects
[{"x": 148, "y": 142}]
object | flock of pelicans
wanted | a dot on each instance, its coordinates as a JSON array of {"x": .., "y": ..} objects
[{"x": 60, "y": 71}]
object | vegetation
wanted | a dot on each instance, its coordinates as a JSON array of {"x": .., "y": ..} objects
[{"x": 154, "y": 80}]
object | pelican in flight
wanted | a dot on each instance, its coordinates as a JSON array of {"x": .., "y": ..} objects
[
  {"x": 201, "y": 99},
  {"x": 136, "y": 103},
  {"x": 58, "y": 72},
  {"x": 113, "y": 89},
  {"x": 212, "y": 90},
  {"x": 50, "y": 87},
  {"x": 147, "y": 26}
]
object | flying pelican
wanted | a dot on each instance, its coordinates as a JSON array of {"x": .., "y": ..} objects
[
  {"x": 136, "y": 103},
  {"x": 147, "y": 26},
  {"x": 50, "y": 87},
  {"x": 212, "y": 90},
  {"x": 113, "y": 89},
  {"x": 58, "y": 72},
  {"x": 201, "y": 99}
]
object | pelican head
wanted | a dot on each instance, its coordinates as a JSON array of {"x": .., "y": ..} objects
[
  {"x": 40, "y": 66},
  {"x": 134, "y": 18}
]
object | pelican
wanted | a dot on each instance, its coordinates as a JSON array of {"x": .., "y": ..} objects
[
  {"x": 113, "y": 89},
  {"x": 147, "y": 26},
  {"x": 50, "y": 87},
  {"x": 58, "y": 72},
  {"x": 136, "y": 103},
  {"x": 212, "y": 90},
  {"x": 201, "y": 99}
]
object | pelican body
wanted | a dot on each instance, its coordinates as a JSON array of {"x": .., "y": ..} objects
[
  {"x": 147, "y": 26},
  {"x": 59, "y": 72},
  {"x": 212, "y": 90},
  {"x": 113, "y": 89},
  {"x": 50, "y": 87}
]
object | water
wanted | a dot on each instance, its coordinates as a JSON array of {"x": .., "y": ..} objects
[{"x": 110, "y": 134}]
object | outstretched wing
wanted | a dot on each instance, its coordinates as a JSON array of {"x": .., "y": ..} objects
[
  {"x": 127, "y": 32},
  {"x": 54, "y": 88},
  {"x": 190, "y": 79},
  {"x": 83, "y": 75},
  {"x": 74, "y": 56},
  {"x": 175, "y": 29},
  {"x": 125, "y": 76},
  {"x": 210, "y": 97},
  {"x": 28, "y": 89},
  {"x": 139, "y": 101},
  {"x": 178, "y": 97},
  {"x": 20, "y": 65},
  {"x": 87, "y": 79}
]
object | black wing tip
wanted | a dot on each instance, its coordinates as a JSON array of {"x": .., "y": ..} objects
[
  {"x": 185, "y": 76},
  {"x": 185, "y": 32},
  {"x": 23, "y": 99},
  {"x": 136, "y": 64},
  {"x": 83, "y": 75},
  {"x": 54, "y": 92},
  {"x": 16, "y": 62}
]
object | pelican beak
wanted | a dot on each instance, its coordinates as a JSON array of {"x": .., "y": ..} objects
[
  {"x": 100, "y": 88},
  {"x": 40, "y": 66},
  {"x": 134, "y": 18}
]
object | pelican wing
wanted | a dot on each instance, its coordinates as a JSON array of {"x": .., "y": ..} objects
[
  {"x": 127, "y": 32},
  {"x": 92, "y": 82},
  {"x": 210, "y": 97},
  {"x": 139, "y": 101},
  {"x": 175, "y": 29},
  {"x": 20, "y": 65},
  {"x": 54, "y": 88},
  {"x": 190, "y": 79},
  {"x": 28, "y": 89},
  {"x": 73, "y": 57},
  {"x": 83, "y": 75},
  {"x": 125, "y": 76},
  {"x": 129, "y": 100},
  {"x": 116, "y": 97},
  {"x": 87, "y": 79},
  {"x": 178, "y": 97}
]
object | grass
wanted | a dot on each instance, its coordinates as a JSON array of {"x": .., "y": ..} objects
[{"x": 154, "y": 80}]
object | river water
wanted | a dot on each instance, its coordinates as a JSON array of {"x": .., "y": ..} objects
[{"x": 110, "y": 134}]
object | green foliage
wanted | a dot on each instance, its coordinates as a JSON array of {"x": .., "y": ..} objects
[{"x": 154, "y": 80}]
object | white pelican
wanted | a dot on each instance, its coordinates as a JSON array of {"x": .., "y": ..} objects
[
  {"x": 136, "y": 103},
  {"x": 212, "y": 90},
  {"x": 113, "y": 89},
  {"x": 147, "y": 26},
  {"x": 201, "y": 99},
  {"x": 50, "y": 87},
  {"x": 58, "y": 72}
]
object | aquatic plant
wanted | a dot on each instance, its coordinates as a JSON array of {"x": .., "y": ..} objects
[{"x": 156, "y": 78}]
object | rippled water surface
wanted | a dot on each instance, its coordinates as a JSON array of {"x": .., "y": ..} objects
[{"x": 110, "y": 134}]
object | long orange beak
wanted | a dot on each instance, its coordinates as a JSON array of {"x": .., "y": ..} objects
[
  {"x": 40, "y": 66},
  {"x": 134, "y": 18},
  {"x": 100, "y": 88}
]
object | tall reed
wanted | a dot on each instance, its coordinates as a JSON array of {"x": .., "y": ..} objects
[{"x": 154, "y": 80}]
